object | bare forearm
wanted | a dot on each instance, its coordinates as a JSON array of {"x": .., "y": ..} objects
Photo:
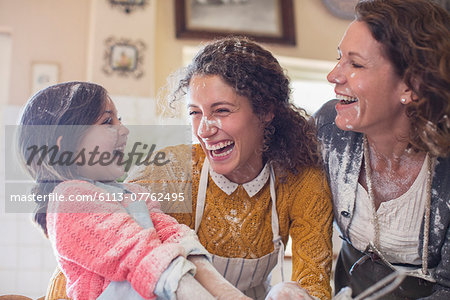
[
  {"x": 189, "y": 286},
  {"x": 218, "y": 286}
]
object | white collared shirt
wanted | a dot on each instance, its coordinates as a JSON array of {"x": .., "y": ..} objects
[
  {"x": 251, "y": 187},
  {"x": 399, "y": 221}
]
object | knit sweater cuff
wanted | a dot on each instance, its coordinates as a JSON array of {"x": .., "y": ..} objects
[
  {"x": 168, "y": 282},
  {"x": 146, "y": 275}
]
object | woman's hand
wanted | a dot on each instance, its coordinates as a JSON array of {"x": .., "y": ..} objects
[{"x": 289, "y": 290}]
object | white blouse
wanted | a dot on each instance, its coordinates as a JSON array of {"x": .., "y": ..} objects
[{"x": 399, "y": 222}]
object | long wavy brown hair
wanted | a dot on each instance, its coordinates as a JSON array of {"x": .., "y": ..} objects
[
  {"x": 64, "y": 104},
  {"x": 415, "y": 35},
  {"x": 253, "y": 72}
]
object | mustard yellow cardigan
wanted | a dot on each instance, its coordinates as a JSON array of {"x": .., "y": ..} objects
[{"x": 240, "y": 226}]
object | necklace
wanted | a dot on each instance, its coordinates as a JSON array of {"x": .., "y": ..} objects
[{"x": 423, "y": 273}]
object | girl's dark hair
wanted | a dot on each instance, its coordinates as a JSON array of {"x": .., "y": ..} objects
[
  {"x": 415, "y": 35},
  {"x": 43, "y": 120},
  {"x": 289, "y": 139}
]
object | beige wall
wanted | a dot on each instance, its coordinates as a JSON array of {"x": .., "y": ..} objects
[
  {"x": 72, "y": 33},
  {"x": 113, "y": 22},
  {"x": 45, "y": 31}
]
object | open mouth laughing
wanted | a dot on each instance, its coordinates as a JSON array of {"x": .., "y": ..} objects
[
  {"x": 346, "y": 99},
  {"x": 221, "y": 149}
]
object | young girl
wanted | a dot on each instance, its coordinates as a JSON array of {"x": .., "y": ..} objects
[{"x": 120, "y": 249}]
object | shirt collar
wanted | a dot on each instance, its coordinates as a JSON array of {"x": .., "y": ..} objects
[{"x": 252, "y": 187}]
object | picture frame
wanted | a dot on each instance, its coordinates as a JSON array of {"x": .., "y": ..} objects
[
  {"x": 127, "y": 2},
  {"x": 127, "y": 5},
  {"x": 267, "y": 21},
  {"x": 124, "y": 57},
  {"x": 43, "y": 74}
]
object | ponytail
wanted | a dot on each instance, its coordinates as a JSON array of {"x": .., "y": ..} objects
[{"x": 42, "y": 190}]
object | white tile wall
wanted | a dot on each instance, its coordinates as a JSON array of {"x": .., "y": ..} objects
[
  {"x": 24, "y": 264},
  {"x": 25, "y": 267}
]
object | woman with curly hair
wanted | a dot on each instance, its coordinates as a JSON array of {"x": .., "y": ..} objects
[
  {"x": 386, "y": 144},
  {"x": 256, "y": 175}
]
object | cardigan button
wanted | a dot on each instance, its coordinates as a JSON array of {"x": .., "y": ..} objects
[{"x": 345, "y": 214}]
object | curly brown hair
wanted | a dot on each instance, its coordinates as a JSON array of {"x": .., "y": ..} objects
[
  {"x": 253, "y": 72},
  {"x": 415, "y": 35}
]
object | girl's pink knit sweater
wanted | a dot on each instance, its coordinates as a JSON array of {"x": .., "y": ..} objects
[{"x": 96, "y": 242}]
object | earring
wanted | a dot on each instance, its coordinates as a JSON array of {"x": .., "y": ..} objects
[{"x": 403, "y": 100}]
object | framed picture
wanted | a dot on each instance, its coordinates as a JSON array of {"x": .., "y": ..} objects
[
  {"x": 123, "y": 57},
  {"x": 43, "y": 74},
  {"x": 127, "y": 5},
  {"x": 124, "y": 2},
  {"x": 269, "y": 21}
]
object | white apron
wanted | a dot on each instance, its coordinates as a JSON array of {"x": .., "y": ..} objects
[{"x": 251, "y": 276}]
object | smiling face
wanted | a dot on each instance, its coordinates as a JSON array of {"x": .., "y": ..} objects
[
  {"x": 229, "y": 132},
  {"x": 110, "y": 136},
  {"x": 367, "y": 86}
]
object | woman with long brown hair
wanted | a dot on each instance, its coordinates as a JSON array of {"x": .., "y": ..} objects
[{"x": 256, "y": 174}]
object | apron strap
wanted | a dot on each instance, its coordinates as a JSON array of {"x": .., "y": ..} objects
[
  {"x": 277, "y": 242},
  {"x": 201, "y": 194}
]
